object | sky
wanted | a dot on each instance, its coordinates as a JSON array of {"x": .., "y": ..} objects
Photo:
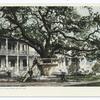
[{"x": 84, "y": 12}]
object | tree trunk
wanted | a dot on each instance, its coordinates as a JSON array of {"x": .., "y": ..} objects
[{"x": 44, "y": 54}]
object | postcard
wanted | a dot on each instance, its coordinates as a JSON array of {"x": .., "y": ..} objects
[{"x": 50, "y": 49}]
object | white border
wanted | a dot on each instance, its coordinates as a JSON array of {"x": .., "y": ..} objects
[
  {"x": 50, "y": 91},
  {"x": 48, "y": 1}
]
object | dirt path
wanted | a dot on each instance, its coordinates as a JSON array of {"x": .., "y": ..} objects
[{"x": 64, "y": 84}]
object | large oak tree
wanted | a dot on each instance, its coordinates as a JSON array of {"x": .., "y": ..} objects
[{"x": 51, "y": 30}]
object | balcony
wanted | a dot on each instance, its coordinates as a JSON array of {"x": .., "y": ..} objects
[{"x": 15, "y": 53}]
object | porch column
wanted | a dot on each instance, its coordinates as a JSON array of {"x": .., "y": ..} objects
[
  {"x": 27, "y": 57},
  {"x": 17, "y": 65},
  {"x": 7, "y": 53}
]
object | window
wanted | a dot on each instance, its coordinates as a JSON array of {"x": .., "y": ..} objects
[
  {"x": 24, "y": 47},
  {"x": 11, "y": 46},
  {"x": 24, "y": 63},
  {"x": 12, "y": 63}
]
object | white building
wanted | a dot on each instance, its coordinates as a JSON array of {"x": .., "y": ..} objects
[
  {"x": 85, "y": 66},
  {"x": 15, "y": 56}
]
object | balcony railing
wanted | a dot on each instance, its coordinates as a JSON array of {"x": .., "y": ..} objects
[{"x": 15, "y": 52}]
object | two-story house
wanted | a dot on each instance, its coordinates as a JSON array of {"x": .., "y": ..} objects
[{"x": 15, "y": 56}]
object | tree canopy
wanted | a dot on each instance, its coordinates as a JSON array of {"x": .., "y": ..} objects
[{"x": 52, "y": 30}]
